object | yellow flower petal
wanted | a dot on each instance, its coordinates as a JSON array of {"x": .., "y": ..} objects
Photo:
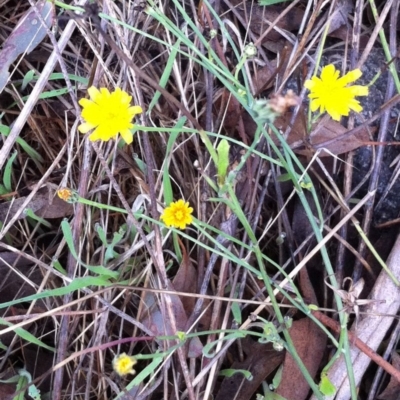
[
  {"x": 123, "y": 364},
  {"x": 109, "y": 114},
  {"x": 331, "y": 93},
  {"x": 127, "y": 135},
  {"x": 94, "y": 93},
  {"x": 351, "y": 76},
  {"x": 85, "y": 127},
  {"x": 178, "y": 214}
]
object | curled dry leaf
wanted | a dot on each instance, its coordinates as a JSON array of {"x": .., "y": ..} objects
[
  {"x": 158, "y": 322},
  {"x": 43, "y": 204},
  {"x": 261, "y": 360},
  {"x": 323, "y": 131},
  {"x": 259, "y": 18},
  {"x": 28, "y": 33},
  {"x": 310, "y": 343},
  {"x": 392, "y": 390}
]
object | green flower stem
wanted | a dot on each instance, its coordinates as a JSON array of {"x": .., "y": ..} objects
[
  {"x": 237, "y": 209},
  {"x": 82, "y": 200},
  {"x": 375, "y": 253},
  {"x": 287, "y": 160},
  {"x": 385, "y": 46}
]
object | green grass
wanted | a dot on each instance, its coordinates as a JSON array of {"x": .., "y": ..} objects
[{"x": 110, "y": 266}]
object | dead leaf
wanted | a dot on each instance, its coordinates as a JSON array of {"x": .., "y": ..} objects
[
  {"x": 28, "y": 33},
  {"x": 229, "y": 106},
  {"x": 186, "y": 280},
  {"x": 310, "y": 343},
  {"x": 259, "y": 19},
  {"x": 392, "y": 390},
  {"x": 340, "y": 16},
  {"x": 323, "y": 131},
  {"x": 7, "y": 392},
  {"x": 261, "y": 361},
  {"x": 44, "y": 204},
  {"x": 160, "y": 325},
  {"x": 55, "y": 208}
]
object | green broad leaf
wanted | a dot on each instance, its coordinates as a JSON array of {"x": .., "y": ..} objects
[
  {"x": 57, "y": 265},
  {"x": 8, "y": 173},
  {"x": 36, "y": 157},
  {"x": 102, "y": 234},
  {"x": 326, "y": 386},
  {"x": 21, "y": 384},
  {"x": 33, "y": 391},
  {"x": 284, "y": 177},
  {"x": 110, "y": 254},
  {"x": 29, "y": 76},
  {"x": 13, "y": 379},
  {"x": 29, "y": 213},
  {"x": 223, "y": 161},
  {"x": 140, "y": 163},
  {"x": 278, "y": 377},
  {"x": 230, "y": 372},
  {"x": 237, "y": 313},
  {"x": 76, "y": 284},
  {"x": 60, "y": 75},
  {"x": 52, "y": 93},
  {"x": 24, "y": 334}
]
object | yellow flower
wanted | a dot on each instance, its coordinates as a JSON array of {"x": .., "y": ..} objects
[
  {"x": 123, "y": 364},
  {"x": 329, "y": 93},
  {"x": 178, "y": 214},
  {"x": 108, "y": 114}
]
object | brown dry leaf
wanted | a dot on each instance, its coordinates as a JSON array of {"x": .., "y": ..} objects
[
  {"x": 392, "y": 390},
  {"x": 264, "y": 78},
  {"x": 228, "y": 105},
  {"x": 186, "y": 280},
  {"x": 28, "y": 33},
  {"x": 323, "y": 131},
  {"x": 261, "y": 361},
  {"x": 160, "y": 325},
  {"x": 39, "y": 363},
  {"x": 56, "y": 208},
  {"x": 259, "y": 18},
  {"x": 310, "y": 343},
  {"x": 7, "y": 392},
  {"x": 13, "y": 285},
  {"x": 340, "y": 17},
  {"x": 44, "y": 204}
]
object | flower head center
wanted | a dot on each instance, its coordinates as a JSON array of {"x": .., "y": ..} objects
[
  {"x": 112, "y": 115},
  {"x": 179, "y": 215}
]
